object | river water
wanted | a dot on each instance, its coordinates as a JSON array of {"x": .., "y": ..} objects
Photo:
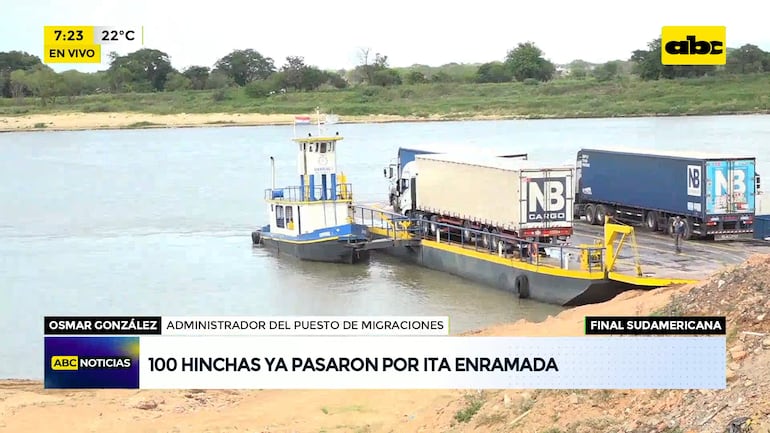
[{"x": 158, "y": 221}]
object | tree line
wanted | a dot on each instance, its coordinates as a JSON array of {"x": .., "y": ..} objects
[{"x": 150, "y": 70}]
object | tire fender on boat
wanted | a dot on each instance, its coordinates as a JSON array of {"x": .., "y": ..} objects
[
  {"x": 521, "y": 284},
  {"x": 256, "y": 237}
]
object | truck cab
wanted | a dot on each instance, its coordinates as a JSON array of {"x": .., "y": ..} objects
[
  {"x": 391, "y": 173},
  {"x": 394, "y": 172},
  {"x": 403, "y": 199}
]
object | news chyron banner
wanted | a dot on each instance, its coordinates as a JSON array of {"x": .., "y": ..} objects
[
  {"x": 329, "y": 352},
  {"x": 84, "y": 44}
]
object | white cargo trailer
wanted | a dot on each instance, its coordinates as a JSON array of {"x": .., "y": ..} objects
[{"x": 522, "y": 198}]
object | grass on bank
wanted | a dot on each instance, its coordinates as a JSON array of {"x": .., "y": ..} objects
[{"x": 559, "y": 98}]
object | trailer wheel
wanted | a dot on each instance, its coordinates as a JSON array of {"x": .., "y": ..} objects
[
  {"x": 687, "y": 229},
  {"x": 433, "y": 224},
  {"x": 651, "y": 221},
  {"x": 424, "y": 224},
  {"x": 591, "y": 214},
  {"x": 601, "y": 212},
  {"x": 486, "y": 239},
  {"x": 496, "y": 241},
  {"x": 669, "y": 229},
  {"x": 468, "y": 236},
  {"x": 522, "y": 286}
]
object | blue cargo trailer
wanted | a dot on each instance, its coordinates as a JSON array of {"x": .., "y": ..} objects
[{"x": 714, "y": 194}]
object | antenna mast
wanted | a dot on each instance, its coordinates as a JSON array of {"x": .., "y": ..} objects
[{"x": 272, "y": 168}]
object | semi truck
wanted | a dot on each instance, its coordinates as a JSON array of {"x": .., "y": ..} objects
[
  {"x": 394, "y": 171},
  {"x": 714, "y": 194},
  {"x": 492, "y": 194}
]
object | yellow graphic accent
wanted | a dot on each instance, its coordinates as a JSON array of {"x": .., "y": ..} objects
[
  {"x": 66, "y": 362},
  {"x": 73, "y": 53},
  {"x": 68, "y": 35},
  {"x": 693, "y": 45}
]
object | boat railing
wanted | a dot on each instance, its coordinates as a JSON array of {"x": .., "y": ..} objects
[
  {"x": 394, "y": 225},
  {"x": 585, "y": 257},
  {"x": 589, "y": 257},
  {"x": 340, "y": 192}
]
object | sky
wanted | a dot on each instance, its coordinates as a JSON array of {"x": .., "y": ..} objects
[{"x": 330, "y": 35}]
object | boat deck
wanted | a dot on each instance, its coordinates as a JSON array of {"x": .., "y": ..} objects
[{"x": 655, "y": 255}]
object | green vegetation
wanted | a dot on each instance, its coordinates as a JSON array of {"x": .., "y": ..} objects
[
  {"x": 525, "y": 83},
  {"x": 558, "y": 98},
  {"x": 473, "y": 404}
]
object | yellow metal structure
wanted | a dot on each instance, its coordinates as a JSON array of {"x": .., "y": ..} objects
[
  {"x": 593, "y": 264},
  {"x": 612, "y": 232},
  {"x": 591, "y": 256},
  {"x": 344, "y": 188}
]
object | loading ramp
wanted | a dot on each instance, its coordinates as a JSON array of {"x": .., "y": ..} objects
[
  {"x": 383, "y": 243},
  {"x": 386, "y": 229}
]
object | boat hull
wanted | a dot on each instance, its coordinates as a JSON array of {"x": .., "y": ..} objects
[
  {"x": 563, "y": 290},
  {"x": 332, "y": 251}
]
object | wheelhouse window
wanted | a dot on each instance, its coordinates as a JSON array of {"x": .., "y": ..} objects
[
  {"x": 289, "y": 217},
  {"x": 279, "y": 217}
]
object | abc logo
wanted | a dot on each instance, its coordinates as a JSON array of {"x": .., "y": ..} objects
[
  {"x": 64, "y": 362},
  {"x": 704, "y": 45},
  {"x": 692, "y": 46}
]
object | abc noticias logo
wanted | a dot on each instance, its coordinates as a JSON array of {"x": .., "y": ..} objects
[
  {"x": 693, "y": 45},
  {"x": 72, "y": 362}
]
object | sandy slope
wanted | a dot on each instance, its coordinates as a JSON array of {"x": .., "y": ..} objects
[
  {"x": 82, "y": 121},
  {"x": 26, "y": 407}
]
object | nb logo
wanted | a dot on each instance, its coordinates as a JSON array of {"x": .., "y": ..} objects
[
  {"x": 698, "y": 45},
  {"x": 694, "y": 180},
  {"x": 546, "y": 199},
  {"x": 734, "y": 181}
]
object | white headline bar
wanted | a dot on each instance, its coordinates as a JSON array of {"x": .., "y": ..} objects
[
  {"x": 306, "y": 326},
  {"x": 432, "y": 363}
]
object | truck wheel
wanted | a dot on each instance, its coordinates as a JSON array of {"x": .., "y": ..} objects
[
  {"x": 433, "y": 225},
  {"x": 687, "y": 229},
  {"x": 651, "y": 221},
  {"x": 424, "y": 224},
  {"x": 521, "y": 286},
  {"x": 670, "y": 227},
  {"x": 468, "y": 236},
  {"x": 601, "y": 212},
  {"x": 591, "y": 214},
  {"x": 495, "y": 238}
]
